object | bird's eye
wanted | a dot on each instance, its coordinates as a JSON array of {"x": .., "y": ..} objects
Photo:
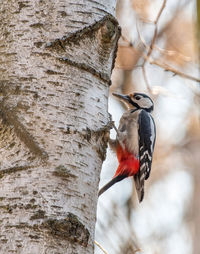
[{"x": 137, "y": 97}]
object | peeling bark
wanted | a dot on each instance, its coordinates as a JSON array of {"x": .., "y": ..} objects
[{"x": 55, "y": 65}]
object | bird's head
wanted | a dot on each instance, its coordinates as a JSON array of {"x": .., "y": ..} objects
[{"x": 136, "y": 101}]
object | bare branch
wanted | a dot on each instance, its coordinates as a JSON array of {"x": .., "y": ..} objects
[
  {"x": 160, "y": 12},
  {"x": 155, "y": 30},
  {"x": 152, "y": 44},
  {"x": 150, "y": 48},
  {"x": 161, "y": 50},
  {"x": 104, "y": 251},
  {"x": 173, "y": 53},
  {"x": 145, "y": 79},
  {"x": 166, "y": 67}
]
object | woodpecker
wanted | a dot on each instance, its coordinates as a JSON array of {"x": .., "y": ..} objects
[{"x": 134, "y": 143}]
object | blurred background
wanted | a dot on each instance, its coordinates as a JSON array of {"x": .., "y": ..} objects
[{"x": 157, "y": 54}]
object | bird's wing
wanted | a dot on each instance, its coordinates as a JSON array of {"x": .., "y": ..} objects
[{"x": 147, "y": 136}]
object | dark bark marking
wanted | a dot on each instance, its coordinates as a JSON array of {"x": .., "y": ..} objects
[
  {"x": 69, "y": 228},
  {"x": 11, "y": 170},
  {"x": 37, "y": 25},
  {"x": 38, "y": 44},
  {"x": 101, "y": 135},
  {"x": 85, "y": 67},
  {"x": 63, "y": 14},
  {"x": 110, "y": 33},
  {"x": 39, "y": 214},
  {"x": 9, "y": 208},
  {"x": 51, "y": 72},
  {"x": 63, "y": 172},
  {"x": 108, "y": 30},
  {"x": 10, "y": 118}
]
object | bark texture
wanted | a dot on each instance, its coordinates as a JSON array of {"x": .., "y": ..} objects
[{"x": 56, "y": 59}]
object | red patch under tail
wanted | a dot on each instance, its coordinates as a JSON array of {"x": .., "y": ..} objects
[
  {"x": 128, "y": 163},
  {"x": 128, "y": 166}
]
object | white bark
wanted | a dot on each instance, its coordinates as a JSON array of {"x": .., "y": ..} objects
[{"x": 56, "y": 59}]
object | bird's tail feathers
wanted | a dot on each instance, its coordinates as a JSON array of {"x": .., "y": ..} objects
[
  {"x": 139, "y": 185},
  {"x": 110, "y": 183}
]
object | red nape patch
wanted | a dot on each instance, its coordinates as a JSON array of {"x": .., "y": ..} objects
[{"x": 128, "y": 163}]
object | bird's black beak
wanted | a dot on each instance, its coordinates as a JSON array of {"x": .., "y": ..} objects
[{"x": 124, "y": 98}]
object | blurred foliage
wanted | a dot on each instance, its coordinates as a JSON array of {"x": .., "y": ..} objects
[
  {"x": 198, "y": 24},
  {"x": 122, "y": 222}
]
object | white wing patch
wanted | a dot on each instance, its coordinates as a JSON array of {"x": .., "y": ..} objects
[{"x": 153, "y": 133}]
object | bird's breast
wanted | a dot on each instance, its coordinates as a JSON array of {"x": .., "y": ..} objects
[{"x": 128, "y": 132}]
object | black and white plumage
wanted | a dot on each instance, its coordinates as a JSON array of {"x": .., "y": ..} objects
[
  {"x": 136, "y": 136},
  {"x": 147, "y": 136}
]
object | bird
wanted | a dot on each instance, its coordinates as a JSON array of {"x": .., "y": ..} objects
[{"x": 134, "y": 142}]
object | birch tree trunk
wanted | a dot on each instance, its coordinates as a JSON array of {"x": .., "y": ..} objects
[{"x": 56, "y": 59}]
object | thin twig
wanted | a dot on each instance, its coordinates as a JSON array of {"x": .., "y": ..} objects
[
  {"x": 173, "y": 53},
  {"x": 115, "y": 128},
  {"x": 104, "y": 251},
  {"x": 145, "y": 79},
  {"x": 160, "y": 12},
  {"x": 152, "y": 44},
  {"x": 161, "y": 50},
  {"x": 156, "y": 29},
  {"x": 147, "y": 57},
  {"x": 166, "y": 67},
  {"x": 130, "y": 44}
]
